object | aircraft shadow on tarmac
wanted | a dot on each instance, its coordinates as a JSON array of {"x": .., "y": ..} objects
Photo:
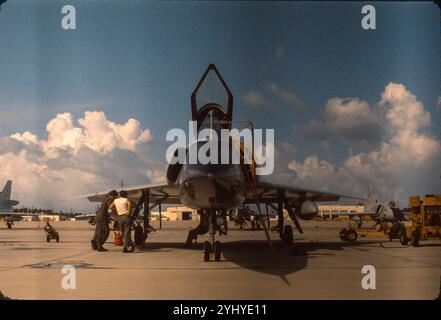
[{"x": 256, "y": 254}]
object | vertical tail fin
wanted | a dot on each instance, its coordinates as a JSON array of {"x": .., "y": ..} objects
[
  {"x": 6, "y": 193},
  {"x": 372, "y": 202}
]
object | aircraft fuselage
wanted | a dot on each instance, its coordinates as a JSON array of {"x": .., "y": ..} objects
[{"x": 213, "y": 186}]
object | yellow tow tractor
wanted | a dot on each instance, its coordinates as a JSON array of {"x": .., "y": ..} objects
[
  {"x": 426, "y": 220},
  {"x": 392, "y": 230}
]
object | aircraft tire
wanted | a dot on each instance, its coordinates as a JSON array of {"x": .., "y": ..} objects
[
  {"x": 392, "y": 233},
  {"x": 217, "y": 251},
  {"x": 288, "y": 235},
  {"x": 57, "y": 239},
  {"x": 404, "y": 240},
  {"x": 344, "y": 234},
  {"x": 416, "y": 238},
  {"x": 139, "y": 236},
  {"x": 48, "y": 239},
  {"x": 9, "y": 225},
  {"x": 351, "y": 235},
  {"x": 207, "y": 251},
  {"x": 403, "y": 236}
]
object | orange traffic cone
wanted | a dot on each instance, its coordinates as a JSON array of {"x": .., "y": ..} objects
[{"x": 118, "y": 239}]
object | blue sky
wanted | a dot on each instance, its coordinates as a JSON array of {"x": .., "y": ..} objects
[{"x": 142, "y": 60}]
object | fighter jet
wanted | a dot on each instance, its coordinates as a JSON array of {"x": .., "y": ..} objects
[
  {"x": 387, "y": 217},
  {"x": 378, "y": 211},
  {"x": 381, "y": 212},
  {"x": 215, "y": 189},
  {"x": 6, "y": 206},
  {"x": 90, "y": 217}
]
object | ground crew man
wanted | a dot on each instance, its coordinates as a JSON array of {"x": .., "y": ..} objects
[
  {"x": 202, "y": 228},
  {"x": 102, "y": 229},
  {"x": 123, "y": 207}
]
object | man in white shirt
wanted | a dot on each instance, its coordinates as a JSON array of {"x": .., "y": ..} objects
[{"x": 123, "y": 207}]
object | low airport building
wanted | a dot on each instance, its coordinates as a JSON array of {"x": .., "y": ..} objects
[
  {"x": 49, "y": 217},
  {"x": 182, "y": 213},
  {"x": 30, "y": 218},
  {"x": 40, "y": 217},
  {"x": 326, "y": 211},
  {"x": 175, "y": 214},
  {"x": 341, "y": 211}
]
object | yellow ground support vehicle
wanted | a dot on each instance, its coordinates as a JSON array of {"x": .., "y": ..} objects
[
  {"x": 392, "y": 230},
  {"x": 426, "y": 220}
]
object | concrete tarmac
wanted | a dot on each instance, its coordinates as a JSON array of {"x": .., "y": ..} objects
[{"x": 318, "y": 266}]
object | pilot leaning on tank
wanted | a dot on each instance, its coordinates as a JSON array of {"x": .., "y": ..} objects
[
  {"x": 102, "y": 229},
  {"x": 123, "y": 207}
]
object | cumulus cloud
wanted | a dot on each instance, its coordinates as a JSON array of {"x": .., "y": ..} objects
[
  {"x": 284, "y": 152},
  {"x": 406, "y": 163},
  {"x": 256, "y": 99},
  {"x": 103, "y": 136},
  {"x": 285, "y": 96},
  {"x": 156, "y": 175},
  {"x": 405, "y": 112},
  {"x": 273, "y": 95},
  {"x": 76, "y": 159},
  {"x": 350, "y": 118},
  {"x": 317, "y": 173},
  {"x": 95, "y": 132},
  {"x": 26, "y": 137}
]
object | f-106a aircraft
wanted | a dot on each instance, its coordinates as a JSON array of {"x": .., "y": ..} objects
[
  {"x": 6, "y": 206},
  {"x": 388, "y": 218},
  {"x": 214, "y": 189},
  {"x": 381, "y": 212}
]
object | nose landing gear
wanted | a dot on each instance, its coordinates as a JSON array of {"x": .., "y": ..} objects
[
  {"x": 212, "y": 253},
  {"x": 212, "y": 248}
]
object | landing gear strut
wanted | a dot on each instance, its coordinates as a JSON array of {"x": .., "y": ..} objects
[
  {"x": 212, "y": 252},
  {"x": 207, "y": 251},
  {"x": 211, "y": 222},
  {"x": 212, "y": 248},
  {"x": 287, "y": 235},
  {"x": 286, "y": 231}
]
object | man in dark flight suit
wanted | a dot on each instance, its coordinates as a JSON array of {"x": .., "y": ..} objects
[
  {"x": 102, "y": 229},
  {"x": 202, "y": 228}
]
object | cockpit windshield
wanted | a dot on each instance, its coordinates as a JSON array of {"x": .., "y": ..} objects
[{"x": 211, "y": 91}]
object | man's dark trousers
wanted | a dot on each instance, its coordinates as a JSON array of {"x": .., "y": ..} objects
[
  {"x": 125, "y": 225},
  {"x": 102, "y": 229}
]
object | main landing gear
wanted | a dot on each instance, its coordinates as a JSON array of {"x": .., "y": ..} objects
[
  {"x": 287, "y": 236},
  {"x": 286, "y": 231}
]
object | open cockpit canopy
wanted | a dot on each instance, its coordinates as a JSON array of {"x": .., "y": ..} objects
[{"x": 212, "y": 95}]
